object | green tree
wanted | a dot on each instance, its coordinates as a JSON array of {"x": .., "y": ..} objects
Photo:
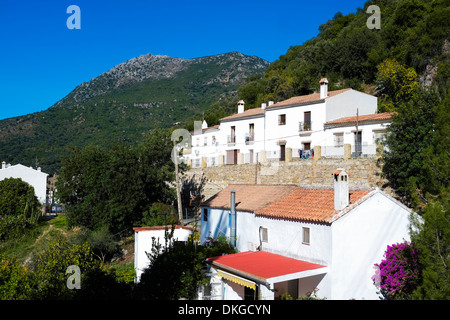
[
  {"x": 19, "y": 208},
  {"x": 431, "y": 236},
  {"x": 395, "y": 84},
  {"x": 436, "y": 157},
  {"x": 177, "y": 269},
  {"x": 409, "y": 134},
  {"x": 16, "y": 281},
  {"x": 113, "y": 187},
  {"x": 17, "y": 198}
]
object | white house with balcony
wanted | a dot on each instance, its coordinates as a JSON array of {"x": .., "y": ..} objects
[
  {"x": 329, "y": 119},
  {"x": 294, "y": 240},
  {"x": 205, "y": 146},
  {"x": 34, "y": 177}
]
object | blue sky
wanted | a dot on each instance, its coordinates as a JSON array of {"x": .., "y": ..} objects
[{"x": 41, "y": 60}]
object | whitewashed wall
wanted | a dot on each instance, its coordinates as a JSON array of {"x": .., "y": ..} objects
[
  {"x": 290, "y": 131},
  {"x": 349, "y": 247},
  {"x": 143, "y": 243},
  {"x": 359, "y": 240},
  {"x": 37, "y": 179},
  {"x": 346, "y": 104}
]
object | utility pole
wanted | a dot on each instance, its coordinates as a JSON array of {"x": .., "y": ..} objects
[
  {"x": 175, "y": 157},
  {"x": 357, "y": 134}
]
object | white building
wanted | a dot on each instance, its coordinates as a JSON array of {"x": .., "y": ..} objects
[
  {"x": 36, "y": 178},
  {"x": 297, "y": 124},
  {"x": 293, "y": 240},
  {"x": 205, "y": 146},
  {"x": 143, "y": 242}
]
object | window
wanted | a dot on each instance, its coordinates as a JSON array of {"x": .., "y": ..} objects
[
  {"x": 281, "y": 119},
  {"x": 205, "y": 141},
  {"x": 264, "y": 235},
  {"x": 305, "y": 235},
  {"x": 214, "y": 140},
  {"x": 378, "y": 135},
  {"x": 205, "y": 214},
  {"x": 307, "y": 121},
  {"x": 339, "y": 139}
]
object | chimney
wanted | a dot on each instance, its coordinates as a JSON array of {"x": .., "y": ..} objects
[
  {"x": 233, "y": 219},
  {"x": 204, "y": 124},
  {"x": 241, "y": 104},
  {"x": 263, "y": 105},
  {"x": 270, "y": 103},
  {"x": 341, "y": 194},
  {"x": 323, "y": 88},
  {"x": 3, "y": 165}
]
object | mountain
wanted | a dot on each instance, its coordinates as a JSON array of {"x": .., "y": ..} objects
[{"x": 125, "y": 102}]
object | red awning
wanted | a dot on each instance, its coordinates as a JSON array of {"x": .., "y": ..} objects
[{"x": 261, "y": 265}]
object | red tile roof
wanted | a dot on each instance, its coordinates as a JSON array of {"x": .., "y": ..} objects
[
  {"x": 283, "y": 201},
  {"x": 316, "y": 205},
  {"x": 262, "y": 265},
  {"x": 291, "y": 101},
  {"x": 306, "y": 98},
  {"x": 362, "y": 118},
  {"x": 246, "y": 113},
  {"x": 248, "y": 197}
]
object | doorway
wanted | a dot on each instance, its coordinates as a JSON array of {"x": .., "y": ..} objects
[
  {"x": 282, "y": 152},
  {"x": 250, "y": 294}
]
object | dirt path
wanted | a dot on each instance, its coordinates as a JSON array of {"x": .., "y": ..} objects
[{"x": 28, "y": 259}]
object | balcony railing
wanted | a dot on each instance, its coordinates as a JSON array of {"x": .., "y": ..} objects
[
  {"x": 231, "y": 139},
  {"x": 305, "y": 126},
  {"x": 249, "y": 138}
]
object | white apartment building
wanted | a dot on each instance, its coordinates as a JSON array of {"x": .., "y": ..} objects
[{"x": 329, "y": 119}]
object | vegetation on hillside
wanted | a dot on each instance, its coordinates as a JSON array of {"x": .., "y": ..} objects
[
  {"x": 124, "y": 182},
  {"x": 124, "y": 104},
  {"x": 413, "y": 33},
  {"x": 19, "y": 208}
]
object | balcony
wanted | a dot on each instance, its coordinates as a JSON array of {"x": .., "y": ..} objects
[
  {"x": 249, "y": 138},
  {"x": 231, "y": 140},
  {"x": 304, "y": 126}
]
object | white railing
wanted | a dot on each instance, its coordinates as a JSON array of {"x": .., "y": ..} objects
[{"x": 305, "y": 126}]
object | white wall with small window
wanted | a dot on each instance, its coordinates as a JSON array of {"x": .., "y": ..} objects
[
  {"x": 243, "y": 134},
  {"x": 296, "y": 125},
  {"x": 205, "y": 144},
  {"x": 369, "y": 134}
]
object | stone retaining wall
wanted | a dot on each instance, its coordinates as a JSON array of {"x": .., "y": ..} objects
[{"x": 364, "y": 173}]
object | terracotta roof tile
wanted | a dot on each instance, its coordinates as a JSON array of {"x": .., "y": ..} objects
[
  {"x": 307, "y": 204},
  {"x": 361, "y": 118},
  {"x": 306, "y": 98},
  {"x": 291, "y": 101},
  {"x": 248, "y": 197},
  {"x": 246, "y": 113}
]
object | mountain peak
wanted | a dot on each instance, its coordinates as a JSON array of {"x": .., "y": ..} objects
[{"x": 126, "y": 101}]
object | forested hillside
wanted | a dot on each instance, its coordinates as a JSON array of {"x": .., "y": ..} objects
[
  {"x": 124, "y": 103},
  {"x": 413, "y": 32}
]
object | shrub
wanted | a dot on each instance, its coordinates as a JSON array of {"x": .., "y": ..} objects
[{"x": 397, "y": 275}]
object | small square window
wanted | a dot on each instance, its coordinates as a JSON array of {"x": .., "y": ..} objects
[{"x": 305, "y": 236}]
